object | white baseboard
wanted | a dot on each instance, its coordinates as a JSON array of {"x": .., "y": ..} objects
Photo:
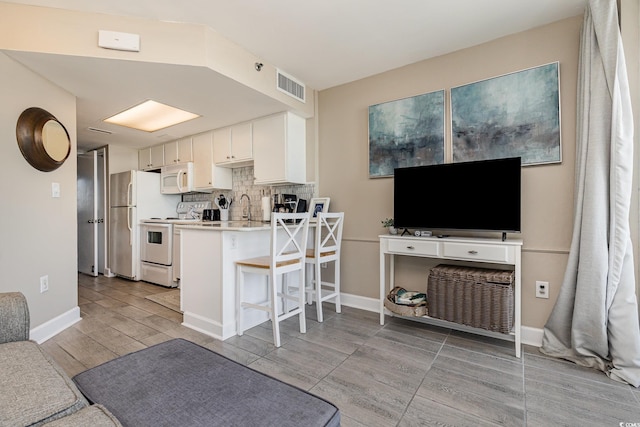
[
  {"x": 40, "y": 334},
  {"x": 54, "y": 326},
  {"x": 362, "y": 303},
  {"x": 204, "y": 325},
  {"x": 529, "y": 335}
]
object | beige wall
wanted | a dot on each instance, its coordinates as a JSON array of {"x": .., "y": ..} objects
[
  {"x": 547, "y": 190},
  {"x": 37, "y": 232},
  {"x": 122, "y": 159}
]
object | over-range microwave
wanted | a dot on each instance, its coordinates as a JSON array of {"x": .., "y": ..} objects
[{"x": 176, "y": 179}]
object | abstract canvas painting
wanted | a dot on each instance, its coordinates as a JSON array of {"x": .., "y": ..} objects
[
  {"x": 517, "y": 114},
  {"x": 406, "y": 132}
]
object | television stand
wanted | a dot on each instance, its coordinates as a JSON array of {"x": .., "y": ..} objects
[
  {"x": 469, "y": 250},
  {"x": 405, "y": 231}
]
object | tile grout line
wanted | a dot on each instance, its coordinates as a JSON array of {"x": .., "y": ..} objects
[{"x": 423, "y": 378}]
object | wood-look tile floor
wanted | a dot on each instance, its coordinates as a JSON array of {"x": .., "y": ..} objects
[{"x": 400, "y": 374}]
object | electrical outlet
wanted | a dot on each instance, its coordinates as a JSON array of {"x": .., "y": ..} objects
[
  {"x": 44, "y": 284},
  {"x": 542, "y": 289},
  {"x": 234, "y": 241}
]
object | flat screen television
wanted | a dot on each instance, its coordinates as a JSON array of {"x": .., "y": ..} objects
[{"x": 475, "y": 196}]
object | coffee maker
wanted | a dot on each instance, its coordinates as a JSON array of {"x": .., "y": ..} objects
[
  {"x": 211, "y": 214},
  {"x": 277, "y": 206},
  {"x": 288, "y": 203}
]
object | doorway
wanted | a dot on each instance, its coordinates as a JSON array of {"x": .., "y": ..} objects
[{"x": 91, "y": 184}]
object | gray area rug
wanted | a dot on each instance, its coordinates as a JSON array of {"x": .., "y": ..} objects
[
  {"x": 169, "y": 299},
  {"x": 179, "y": 383}
]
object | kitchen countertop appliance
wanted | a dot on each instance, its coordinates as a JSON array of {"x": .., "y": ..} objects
[
  {"x": 133, "y": 195},
  {"x": 211, "y": 214},
  {"x": 288, "y": 203},
  {"x": 160, "y": 243},
  {"x": 223, "y": 205}
]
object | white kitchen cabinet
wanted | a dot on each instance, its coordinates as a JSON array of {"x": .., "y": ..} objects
[
  {"x": 151, "y": 158},
  {"x": 179, "y": 151},
  {"x": 279, "y": 147},
  {"x": 208, "y": 276},
  {"x": 206, "y": 175},
  {"x": 143, "y": 159},
  {"x": 222, "y": 145},
  {"x": 207, "y": 283},
  {"x": 233, "y": 145}
]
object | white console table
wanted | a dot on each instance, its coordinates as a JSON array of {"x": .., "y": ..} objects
[{"x": 494, "y": 251}]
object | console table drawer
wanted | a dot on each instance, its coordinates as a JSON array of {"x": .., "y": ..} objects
[
  {"x": 413, "y": 247},
  {"x": 477, "y": 252}
]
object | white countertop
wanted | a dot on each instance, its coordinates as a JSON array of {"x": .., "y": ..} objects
[{"x": 225, "y": 225}]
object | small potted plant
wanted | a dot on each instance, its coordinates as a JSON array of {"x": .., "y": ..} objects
[{"x": 388, "y": 223}]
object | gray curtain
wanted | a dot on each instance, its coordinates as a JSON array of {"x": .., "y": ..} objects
[{"x": 595, "y": 320}]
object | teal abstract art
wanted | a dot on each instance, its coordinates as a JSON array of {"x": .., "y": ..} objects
[
  {"x": 406, "y": 132},
  {"x": 517, "y": 114}
]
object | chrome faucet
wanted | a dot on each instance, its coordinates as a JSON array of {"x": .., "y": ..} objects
[{"x": 248, "y": 216}]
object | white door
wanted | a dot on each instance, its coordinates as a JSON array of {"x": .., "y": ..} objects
[{"x": 91, "y": 212}]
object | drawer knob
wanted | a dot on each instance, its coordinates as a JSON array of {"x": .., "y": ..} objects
[
  {"x": 410, "y": 247},
  {"x": 473, "y": 252}
]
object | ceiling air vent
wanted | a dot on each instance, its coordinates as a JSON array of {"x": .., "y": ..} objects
[
  {"x": 98, "y": 130},
  {"x": 292, "y": 87}
]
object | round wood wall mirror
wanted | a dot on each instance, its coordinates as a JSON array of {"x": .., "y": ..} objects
[{"x": 43, "y": 140}]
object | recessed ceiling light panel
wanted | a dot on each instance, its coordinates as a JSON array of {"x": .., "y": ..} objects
[{"x": 151, "y": 116}]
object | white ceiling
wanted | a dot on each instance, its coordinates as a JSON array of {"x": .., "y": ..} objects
[{"x": 323, "y": 43}]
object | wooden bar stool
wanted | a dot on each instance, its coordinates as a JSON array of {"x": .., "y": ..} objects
[
  {"x": 288, "y": 247},
  {"x": 326, "y": 248}
]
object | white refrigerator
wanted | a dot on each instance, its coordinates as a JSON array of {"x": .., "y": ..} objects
[{"x": 133, "y": 196}]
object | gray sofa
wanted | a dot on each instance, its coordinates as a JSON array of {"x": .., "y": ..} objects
[{"x": 34, "y": 390}]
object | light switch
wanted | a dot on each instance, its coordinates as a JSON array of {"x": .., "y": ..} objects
[{"x": 55, "y": 189}]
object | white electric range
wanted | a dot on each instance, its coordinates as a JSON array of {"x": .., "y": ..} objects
[{"x": 160, "y": 244}]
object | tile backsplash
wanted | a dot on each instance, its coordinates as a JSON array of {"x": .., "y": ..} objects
[{"x": 243, "y": 184}]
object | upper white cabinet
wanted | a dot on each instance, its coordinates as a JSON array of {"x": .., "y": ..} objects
[
  {"x": 275, "y": 145},
  {"x": 151, "y": 157},
  {"x": 279, "y": 147},
  {"x": 233, "y": 145},
  {"x": 206, "y": 175},
  {"x": 179, "y": 151},
  {"x": 144, "y": 158},
  {"x": 222, "y": 145}
]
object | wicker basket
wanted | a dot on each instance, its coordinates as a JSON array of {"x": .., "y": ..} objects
[
  {"x": 416, "y": 310},
  {"x": 478, "y": 297}
]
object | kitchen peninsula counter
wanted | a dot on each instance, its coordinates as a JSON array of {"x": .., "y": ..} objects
[
  {"x": 209, "y": 251},
  {"x": 226, "y": 225}
]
